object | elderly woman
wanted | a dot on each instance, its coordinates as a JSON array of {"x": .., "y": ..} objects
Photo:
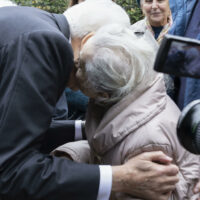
[
  {"x": 157, "y": 19},
  {"x": 129, "y": 111}
]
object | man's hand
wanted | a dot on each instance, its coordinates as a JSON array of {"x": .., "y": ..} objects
[
  {"x": 197, "y": 188},
  {"x": 148, "y": 176}
]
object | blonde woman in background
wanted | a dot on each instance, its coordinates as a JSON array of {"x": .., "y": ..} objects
[
  {"x": 154, "y": 26},
  {"x": 157, "y": 21}
]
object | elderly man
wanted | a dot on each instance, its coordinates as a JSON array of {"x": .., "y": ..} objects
[
  {"x": 6, "y": 3},
  {"x": 36, "y": 61}
]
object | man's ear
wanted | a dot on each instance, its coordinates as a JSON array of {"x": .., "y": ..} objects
[
  {"x": 85, "y": 39},
  {"x": 103, "y": 94}
]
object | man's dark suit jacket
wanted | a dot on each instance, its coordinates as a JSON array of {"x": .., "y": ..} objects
[{"x": 35, "y": 62}]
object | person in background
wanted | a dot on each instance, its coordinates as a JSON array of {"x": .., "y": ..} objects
[
  {"x": 36, "y": 64},
  {"x": 157, "y": 19},
  {"x": 129, "y": 111},
  {"x": 77, "y": 104},
  {"x": 186, "y": 19},
  {"x": 186, "y": 23},
  {"x": 154, "y": 26}
]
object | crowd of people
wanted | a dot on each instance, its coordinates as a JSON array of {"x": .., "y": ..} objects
[{"x": 126, "y": 147}]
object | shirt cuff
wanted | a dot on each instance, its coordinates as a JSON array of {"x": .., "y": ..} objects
[
  {"x": 78, "y": 130},
  {"x": 105, "y": 184}
]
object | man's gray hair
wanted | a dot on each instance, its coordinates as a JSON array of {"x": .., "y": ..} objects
[
  {"x": 117, "y": 62},
  {"x": 6, "y": 3},
  {"x": 90, "y": 15}
]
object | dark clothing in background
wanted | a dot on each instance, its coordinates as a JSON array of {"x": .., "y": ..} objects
[
  {"x": 186, "y": 22},
  {"x": 190, "y": 87},
  {"x": 157, "y": 30},
  {"x": 77, "y": 104},
  {"x": 35, "y": 62}
]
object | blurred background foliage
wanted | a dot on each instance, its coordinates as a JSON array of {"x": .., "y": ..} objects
[
  {"x": 132, "y": 9},
  {"x": 59, "y": 6}
]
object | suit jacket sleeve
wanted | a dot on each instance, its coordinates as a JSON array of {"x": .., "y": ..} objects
[
  {"x": 35, "y": 71},
  {"x": 59, "y": 133}
]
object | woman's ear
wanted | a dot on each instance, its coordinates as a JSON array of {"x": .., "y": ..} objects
[{"x": 85, "y": 39}]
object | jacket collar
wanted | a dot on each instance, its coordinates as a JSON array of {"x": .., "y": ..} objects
[
  {"x": 107, "y": 127},
  {"x": 62, "y": 24}
]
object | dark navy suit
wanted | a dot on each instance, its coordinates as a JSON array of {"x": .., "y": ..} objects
[{"x": 35, "y": 62}]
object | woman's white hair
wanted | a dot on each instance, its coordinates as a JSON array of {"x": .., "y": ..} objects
[
  {"x": 90, "y": 15},
  {"x": 116, "y": 63},
  {"x": 6, "y": 3}
]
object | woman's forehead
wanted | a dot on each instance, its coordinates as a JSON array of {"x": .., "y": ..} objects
[{"x": 142, "y": 1}]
